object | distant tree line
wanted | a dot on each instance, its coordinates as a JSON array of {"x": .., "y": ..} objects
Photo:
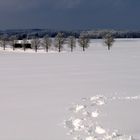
[
  {"x": 94, "y": 34},
  {"x": 58, "y": 42},
  {"x": 46, "y": 42}
]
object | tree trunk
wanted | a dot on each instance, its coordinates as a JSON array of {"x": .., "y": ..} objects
[
  {"x": 83, "y": 48},
  {"x": 71, "y": 49},
  {"x": 13, "y": 47},
  {"x": 35, "y": 48},
  {"x": 59, "y": 49},
  {"x": 24, "y": 47},
  {"x": 108, "y": 47},
  {"x": 47, "y": 49}
]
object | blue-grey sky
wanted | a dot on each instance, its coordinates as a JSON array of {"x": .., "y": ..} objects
[{"x": 70, "y": 14}]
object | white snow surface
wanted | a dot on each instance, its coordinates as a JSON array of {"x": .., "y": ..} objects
[{"x": 36, "y": 90}]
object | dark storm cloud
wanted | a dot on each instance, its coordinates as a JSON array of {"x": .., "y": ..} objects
[{"x": 70, "y": 14}]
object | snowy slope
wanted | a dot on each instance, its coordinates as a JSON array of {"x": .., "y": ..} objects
[{"x": 37, "y": 89}]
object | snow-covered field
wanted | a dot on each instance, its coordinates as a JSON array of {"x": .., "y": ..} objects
[{"x": 36, "y": 90}]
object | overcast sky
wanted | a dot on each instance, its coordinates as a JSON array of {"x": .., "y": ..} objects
[{"x": 70, "y": 14}]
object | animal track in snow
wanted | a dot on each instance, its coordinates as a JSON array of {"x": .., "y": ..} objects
[{"x": 84, "y": 124}]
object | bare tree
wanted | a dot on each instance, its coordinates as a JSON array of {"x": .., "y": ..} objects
[
  {"x": 3, "y": 41},
  {"x": 13, "y": 40},
  {"x": 109, "y": 40},
  {"x": 47, "y": 42},
  {"x": 59, "y": 41},
  {"x": 71, "y": 42},
  {"x": 35, "y": 43},
  {"x": 84, "y": 41}
]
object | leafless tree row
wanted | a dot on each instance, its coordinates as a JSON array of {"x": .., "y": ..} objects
[{"x": 59, "y": 42}]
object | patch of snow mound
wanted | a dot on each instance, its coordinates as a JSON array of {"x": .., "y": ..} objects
[
  {"x": 126, "y": 98},
  {"x": 124, "y": 137},
  {"x": 86, "y": 113},
  {"x": 86, "y": 124},
  {"x": 100, "y": 103},
  {"x": 98, "y": 100},
  {"x": 95, "y": 114},
  {"x": 90, "y": 138},
  {"x": 79, "y": 108},
  {"x": 100, "y": 130},
  {"x": 77, "y": 122},
  {"x": 132, "y": 98},
  {"x": 95, "y": 98}
]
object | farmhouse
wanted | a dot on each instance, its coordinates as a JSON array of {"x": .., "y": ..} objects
[{"x": 20, "y": 43}]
